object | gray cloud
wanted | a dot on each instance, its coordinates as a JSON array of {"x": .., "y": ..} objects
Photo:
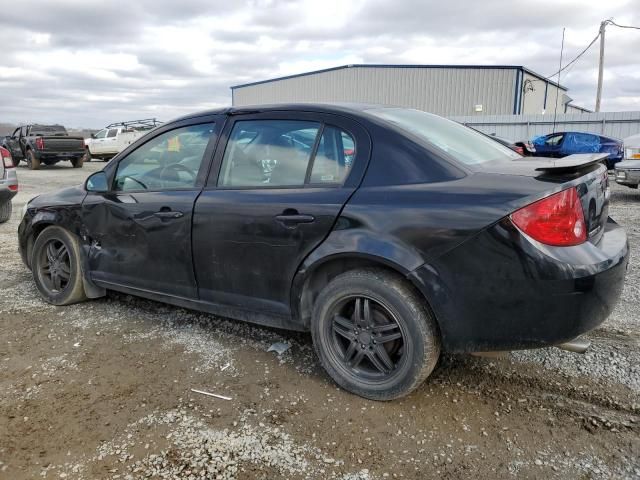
[{"x": 94, "y": 62}]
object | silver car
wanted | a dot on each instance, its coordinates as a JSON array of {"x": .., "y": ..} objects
[
  {"x": 8, "y": 184},
  {"x": 628, "y": 171}
]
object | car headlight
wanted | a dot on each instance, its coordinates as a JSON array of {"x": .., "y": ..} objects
[{"x": 632, "y": 153}]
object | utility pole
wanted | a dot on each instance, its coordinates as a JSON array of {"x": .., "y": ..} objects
[{"x": 603, "y": 25}]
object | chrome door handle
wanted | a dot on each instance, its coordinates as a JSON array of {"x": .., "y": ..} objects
[
  {"x": 294, "y": 219},
  {"x": 168, "y": 214}
]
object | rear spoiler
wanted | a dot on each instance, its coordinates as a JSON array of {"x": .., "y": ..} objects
[{"x": 569, "y": 163}]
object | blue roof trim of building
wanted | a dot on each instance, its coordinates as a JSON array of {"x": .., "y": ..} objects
[{"x": 342, "y": 67}]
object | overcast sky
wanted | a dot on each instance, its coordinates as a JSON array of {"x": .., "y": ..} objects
[{"x": 88, "y": 63}]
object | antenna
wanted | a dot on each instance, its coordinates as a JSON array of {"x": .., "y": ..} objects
[{"x": 555, "y": 110}]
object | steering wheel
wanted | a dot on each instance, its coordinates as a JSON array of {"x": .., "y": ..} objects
[{"x": 176, "y": 167}]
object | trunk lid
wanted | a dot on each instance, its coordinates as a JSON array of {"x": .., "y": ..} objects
[{"x": 584, "y": 172}]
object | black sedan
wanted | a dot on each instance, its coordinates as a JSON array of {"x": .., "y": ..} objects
[{"x": 390, "y": 234}]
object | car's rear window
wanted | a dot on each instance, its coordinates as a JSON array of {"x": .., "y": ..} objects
[
  {"x": 462, "y": 143},
  {"x": 48, "y": 130}
]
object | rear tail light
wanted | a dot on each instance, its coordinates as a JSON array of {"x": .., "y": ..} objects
[
  {"x": 40, "y": 143},
  {"x": 556, "y": 220},
  {"x": 7, "y": 161}
]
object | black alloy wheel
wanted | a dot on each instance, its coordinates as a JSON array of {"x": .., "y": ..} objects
[
  {"x": 55, "y": 266},
  {"x": 367, "y": 338},
  {"x": 374, "y": 334}
]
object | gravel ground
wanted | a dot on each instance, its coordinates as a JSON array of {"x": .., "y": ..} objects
[{"x": 103, "y": 389}]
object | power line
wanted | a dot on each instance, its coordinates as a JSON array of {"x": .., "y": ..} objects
[
  {"x": 611, "y": 22},
  {"x": 576, "y": 58},
  {"x": 608, "y": 22}
]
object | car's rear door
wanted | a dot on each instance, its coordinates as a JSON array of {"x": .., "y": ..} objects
[
  {"x": 140, "y": 231},
  {"x": 279, "y": 181}
]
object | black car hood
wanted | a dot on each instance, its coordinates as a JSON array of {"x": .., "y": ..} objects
[{"x": 67, "y": 196}]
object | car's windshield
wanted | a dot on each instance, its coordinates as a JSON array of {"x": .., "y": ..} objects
[{"x": 462, "y": 143}]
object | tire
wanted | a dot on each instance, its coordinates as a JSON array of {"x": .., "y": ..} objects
[
  {"x": 77, "y": 162},
  {"x": 32, "y": 162},
  {"x": 54, "y": 249},
  {"x": 5, "y": 212},
  {"x": 374, "y": 358}
]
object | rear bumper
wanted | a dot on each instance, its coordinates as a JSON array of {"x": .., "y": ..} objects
[
  {"x": 58, "y": 156},
  {"x": 503, "y": 291},
  {"x": 628, "y": 176}
]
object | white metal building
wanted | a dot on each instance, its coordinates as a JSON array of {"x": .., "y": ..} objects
[{"x": 446, "y": 90}]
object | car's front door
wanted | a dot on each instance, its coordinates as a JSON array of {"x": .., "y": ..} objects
[
  {"x": 97, "y": 143},
  {"x": 13, "y": 143},
  {"x": 552, "y": 145},
  {"x": 140, "y": 231},
  {"x": 278, "y": 183},
  {"x": 110, "y": 144}
]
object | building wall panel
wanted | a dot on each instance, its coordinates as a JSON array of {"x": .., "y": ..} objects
[{"x": 444, "y": 91}]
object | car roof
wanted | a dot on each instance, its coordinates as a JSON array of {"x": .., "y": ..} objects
[
  {"x": 351, "y": 109},
  {"x": 613, "y": 139}
]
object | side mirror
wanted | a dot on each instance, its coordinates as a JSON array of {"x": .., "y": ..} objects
[
  {"x": 97, "y": 183},
  {"x": 93, "y": 135}
]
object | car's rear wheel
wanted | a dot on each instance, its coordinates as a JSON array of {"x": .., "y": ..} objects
[
  {"x": 374, "y": 335},
  {"x": 32, "y": 162},
  {"x": 55, "y": 263},
  {"x": 5, "y": 212}
]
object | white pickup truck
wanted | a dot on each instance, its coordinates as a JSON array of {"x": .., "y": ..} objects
[
  {"x": 114, "y": 138},
  {"x": 628, "y": 171}
]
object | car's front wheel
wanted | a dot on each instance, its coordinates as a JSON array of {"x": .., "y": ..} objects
[
  {"x": 374, "y": 335},
  {"x": 55, "y": 262}
]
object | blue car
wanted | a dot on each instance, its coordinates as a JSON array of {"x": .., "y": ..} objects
[{"x": 562, "y": 144}]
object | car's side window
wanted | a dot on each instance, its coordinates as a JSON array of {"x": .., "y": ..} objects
[
  {"x": 334, "y": 158},
  {"x": 554, "y": 140},
  {"x": 263, "y": 153},
  {"x": 112, "y": 133},
  {"x": 169, "y": 161},
  {"x": 101, "y": 134}
]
